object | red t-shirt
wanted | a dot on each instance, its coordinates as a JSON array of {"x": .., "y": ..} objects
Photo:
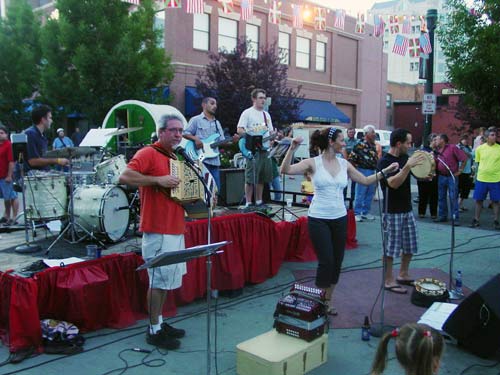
[
  {"x": 6, "y": 157},
  {"x": 159, "y": 214}
]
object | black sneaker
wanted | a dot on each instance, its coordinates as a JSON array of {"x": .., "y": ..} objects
[
  {"x": 172, "y": 332},
  {"x": 475, "y": 223},
  {"x": 3, "y": 220},
  {"x": 161, "y": 340},
  {"x": 496, "y": 224}
]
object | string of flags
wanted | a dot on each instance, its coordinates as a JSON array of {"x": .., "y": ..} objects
[{"x": 402, "y": 26}]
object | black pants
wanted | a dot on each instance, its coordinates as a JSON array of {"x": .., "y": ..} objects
[
  {"x": 328, "y": 237},
  {"x": 428, "y": 195},
  {"x": 464, "y": 185}
]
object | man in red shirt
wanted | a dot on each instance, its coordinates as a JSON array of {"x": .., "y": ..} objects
[
  {"x": 162, "y": 223},
  {"x": 6, "y": 188}
]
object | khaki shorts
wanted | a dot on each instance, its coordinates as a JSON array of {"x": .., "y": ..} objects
[{"x": 263, "y": 169}]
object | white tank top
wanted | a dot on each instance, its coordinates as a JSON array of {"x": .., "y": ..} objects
[{"x": 328, "y": 199}]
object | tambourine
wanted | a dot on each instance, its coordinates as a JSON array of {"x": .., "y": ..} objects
[
  {"x": 427, "y": 167},
  {"x": 429, "y": 286}
]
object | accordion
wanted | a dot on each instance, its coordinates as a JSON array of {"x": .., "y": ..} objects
[
  {"x": 190, "y": 189},
  {"x": 302, "y": 313}
]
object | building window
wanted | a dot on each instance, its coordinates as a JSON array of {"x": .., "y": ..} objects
[
  {"x": 252, "y": 41},
  {"x": 386, "y": 44},
  {"x": 201, "y": 31},
  {"x": 320, "y": 56},
  {"x": 414, "y": 67},
  {"x": 415, "y": 29},
  {"x": 228, "y": 34},
  {"x": 388, "y": 100},
  {"x": 303, "y": 56},
  {"x": 284, "y": 48},
  {"x": 159, "y": 25}
]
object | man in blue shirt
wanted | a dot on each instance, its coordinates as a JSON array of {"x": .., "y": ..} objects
[
  {"x": 203, "y": 126},
  {"x": 61, "y": 141},
  {"x": 37, "y": 141}
]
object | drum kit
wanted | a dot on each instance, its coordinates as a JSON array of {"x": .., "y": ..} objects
[{"x": 92, "y": 201}]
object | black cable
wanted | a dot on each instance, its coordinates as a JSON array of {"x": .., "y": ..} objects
[
  {"x": 479, "y": 365},
  {"x": 156, "y": 362}
]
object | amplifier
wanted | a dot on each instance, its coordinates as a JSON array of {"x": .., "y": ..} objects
[{"x": 232, "y": 183}]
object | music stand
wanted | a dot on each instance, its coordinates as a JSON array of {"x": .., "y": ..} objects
[{"x": 173, "y": 257}]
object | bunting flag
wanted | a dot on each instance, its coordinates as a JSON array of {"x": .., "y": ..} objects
[
  {"x": 339, "y": 19},
  {"x": 414, "y": 47},
  {"x": 360, "y": 23},
  {"x": 195, "y": 6},
  {"x": 406, "y": 29},
  {"x": 274, "y": 13},
  {"x": 320, "y": 19},
  {"x": 135, "y": 2},
  {"x": 298, "y": 20},
  {"x": 379, "y": 26},
  {"x": 227, "y": 6},
  {"x": 425, "y": 43},
  {"x": 400, "y": 45},
  {"x": 393, "y": 24},
  {"x": 246, "y": 9},
  {"x": 423, "y": 24},
  {"x": 174, "y": 4}
]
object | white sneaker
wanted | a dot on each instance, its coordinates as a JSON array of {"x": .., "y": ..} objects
[
  {"x": 358, "y": 218},
  {"x": 368, "y": 217}
]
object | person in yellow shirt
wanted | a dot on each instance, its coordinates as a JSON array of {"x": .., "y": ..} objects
[
  {"x": 488, "y": 176},
  {"x": 306, "y": 187}
]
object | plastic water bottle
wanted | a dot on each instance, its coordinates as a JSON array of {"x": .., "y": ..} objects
[
  {"x": 365, "y": 330},
  {"x": 458, "y": 283}
]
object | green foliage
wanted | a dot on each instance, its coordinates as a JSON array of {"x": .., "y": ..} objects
[
  {"x": 231, "y": 77},
  {"x": 471, "y": 43},
  {"x": 97, "y": 54},
  {"x": 19, "y": 62}
]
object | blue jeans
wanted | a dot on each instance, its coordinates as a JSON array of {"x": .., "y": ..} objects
[
  {"x": 275, "y": 185},
  {"x": 364, "y": 194},
  {"x": 214, "y": 171},
  {"x": 447, "y": 189}
]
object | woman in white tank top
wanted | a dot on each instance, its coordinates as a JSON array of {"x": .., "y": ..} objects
[{"x": 327, "y": 216}]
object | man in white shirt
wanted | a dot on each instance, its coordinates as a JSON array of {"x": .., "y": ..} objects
[{"x": 256, "y": 121}]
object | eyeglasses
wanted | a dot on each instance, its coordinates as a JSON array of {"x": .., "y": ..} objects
[
  {"x": 174, "y": 130},
  {"x": 261, "y": 97}
]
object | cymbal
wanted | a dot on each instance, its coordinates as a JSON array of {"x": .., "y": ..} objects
[
  {"x": 124, "y": 131},
  {"x": 70, "y": 152}
]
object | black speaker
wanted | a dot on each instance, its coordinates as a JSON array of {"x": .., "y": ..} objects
[
  {"x": 475, "y": 323},
  {"x": 232, "y": 186}
]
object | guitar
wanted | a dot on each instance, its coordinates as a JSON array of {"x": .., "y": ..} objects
[
  {"x": 246, "y": 152},
  {"x": 207, "y": 152}
]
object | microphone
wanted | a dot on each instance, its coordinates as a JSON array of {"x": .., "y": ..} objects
[{"x": 180, "y": 150}]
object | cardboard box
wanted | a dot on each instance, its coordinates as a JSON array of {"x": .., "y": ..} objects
[{"x": 273, "y": 353}]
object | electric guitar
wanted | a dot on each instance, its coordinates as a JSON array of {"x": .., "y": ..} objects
[{"x": 208, "y": 150}]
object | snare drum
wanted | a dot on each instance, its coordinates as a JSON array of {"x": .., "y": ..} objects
[
  {"x": 46, "y": 196},
  {"x": 102, "y": 210},
  {"x": 110, "y": 170},
  {"x": 428, "y": 166},
  {"x": 83, "y": 178}
]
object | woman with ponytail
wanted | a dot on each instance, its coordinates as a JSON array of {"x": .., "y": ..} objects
[
  {"x": 327, "y": 216},
  {"x": 418, "y": 349}
]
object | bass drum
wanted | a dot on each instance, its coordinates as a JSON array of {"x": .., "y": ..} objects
[{"x": 102, "y": 210}]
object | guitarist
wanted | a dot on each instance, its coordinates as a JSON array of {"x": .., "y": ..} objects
[
  {"x": 203, "y": 126},
  {"x": 251, "y": 119}
]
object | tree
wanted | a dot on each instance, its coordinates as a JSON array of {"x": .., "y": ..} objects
[
  {"x": 471, "y": 43},
  {"x": 230, "y": 77},
  {"x": 19, "y": 62},
  {"x": 96, "y": 54}
]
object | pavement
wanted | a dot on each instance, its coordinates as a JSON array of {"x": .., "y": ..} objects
[{"x": 476, "y": 254}]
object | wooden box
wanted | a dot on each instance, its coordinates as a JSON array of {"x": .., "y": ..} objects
[{"x": 273, "y": 353}]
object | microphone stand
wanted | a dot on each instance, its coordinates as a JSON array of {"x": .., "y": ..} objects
[
  {"x": 452, "y": 292},
  {"x": 27, "y": 248},
  {"x": 208, "y": 199}
]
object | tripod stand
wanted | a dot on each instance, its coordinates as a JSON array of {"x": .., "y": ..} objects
[{"x": 284, "y": 204}]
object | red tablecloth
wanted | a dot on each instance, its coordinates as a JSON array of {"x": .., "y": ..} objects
[{"x": 108, "y": 292}]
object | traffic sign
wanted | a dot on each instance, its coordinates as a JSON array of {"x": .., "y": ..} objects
[{"x": 429, "y": 104}]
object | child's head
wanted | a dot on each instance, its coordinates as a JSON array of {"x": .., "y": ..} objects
[
  {"x": 418, "y": 349},
  {"x": 307, "y": 175}
]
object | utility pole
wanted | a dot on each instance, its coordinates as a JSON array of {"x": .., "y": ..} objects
[{"x": 429, "y": 84}]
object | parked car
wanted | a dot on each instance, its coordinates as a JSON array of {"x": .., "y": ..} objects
[{"x": 383, "y": 137}]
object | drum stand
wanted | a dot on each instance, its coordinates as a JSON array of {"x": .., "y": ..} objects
[
  {"x": 72, "y": 224},
  {"x": 452, "y": 292}
]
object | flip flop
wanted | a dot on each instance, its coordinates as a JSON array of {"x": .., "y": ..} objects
[
  {"x": 409, "y": 282},
  {"x": 396, "y": 289}
]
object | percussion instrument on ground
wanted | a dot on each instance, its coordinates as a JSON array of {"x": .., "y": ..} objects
[
  {"x": 427, "y": 291},
  {"x": 102, "y": 210},
  {"x": 427, "y": 168},
  {"x": 46, "y": 196}
]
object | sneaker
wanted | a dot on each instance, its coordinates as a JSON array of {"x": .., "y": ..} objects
[
  {"x": 161, "y": 340},
  {"x": 475, "y": 223},
  {"x": 3, "y": 220},
  {"x": 368, "y": 217},
  {"x": 358, "y": 218},
  {"x": 496, "y": 224},
  {"x": 172, "y": 332}
]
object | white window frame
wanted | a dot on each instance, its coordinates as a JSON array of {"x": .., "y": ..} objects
[
  {"x": 284, "y": 51},
  {"x": 252, "y": 40},
  {"x": 302, "y": 51},
  {"x": 227, "y": 41},
  {"x": 320, "y": 59},
  {"x": 201, "y": 28}
]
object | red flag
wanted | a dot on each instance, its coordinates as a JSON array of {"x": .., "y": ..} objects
[
  {"x": 414, "y": 47},
  {"x": 393, "y": 24},
  {"x": 360, "y": 23},
  {"x": 227, "y": 6},
  {"x": 174, "y": 4},
  {"x": 339, "y": 19},
  {"x": 274, "y": 13}
]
